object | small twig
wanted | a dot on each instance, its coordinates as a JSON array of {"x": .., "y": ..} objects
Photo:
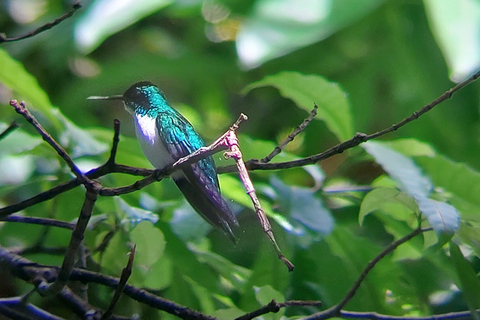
[
  {"x": 274, "y": 307},
  {"x": 235, "y": 153},
  {"x": 336, "y": 309},
  {"x": 127, "y": 271},
  {"x": 116, "y": 140},
  {"x": 40, "y": 221},
  {"x": 292, "y": 135},
  {"x": 7, "y": 131},
  {"x": 77, "y": 5},
  {"x": 21, "y": 109}
]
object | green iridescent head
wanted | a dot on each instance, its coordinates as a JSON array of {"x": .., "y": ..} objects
[{"x": 143, "y": 96}]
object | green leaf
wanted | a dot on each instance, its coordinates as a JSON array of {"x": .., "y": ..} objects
[
  {"x": 378, "y": 198},
  {"x": 402, "y": 169},
  {"x": 150, "y": 243},
  {"x": 106, "y": 17},
  {"x": 80, "y": 140},
  {"x": 236, "y": 275},
  {"x": 159, "y": 276},
  {"x": 307, "y": 90},
  {"x": 115, "y": 256},
  {"x": 469, "y": 282},
  {"x": 187, "y": 224},
  {"x": 15, "y": 77},
  {"x": 17, "y": 141},
  {"x": 135, "y": 214},
  {"x": 456, "y": 28},
  {"x": 441, "y": 216},
  {"x": 278, "y": 27},
  {"x": 304, "y": 209}
]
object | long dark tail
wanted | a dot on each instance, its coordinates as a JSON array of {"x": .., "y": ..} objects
[{"x": 208, "y": 202}]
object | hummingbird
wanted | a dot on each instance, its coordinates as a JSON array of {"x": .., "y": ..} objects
[{"x": 166, "y": 136}]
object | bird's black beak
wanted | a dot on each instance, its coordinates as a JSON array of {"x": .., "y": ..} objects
[{"x": 117, "y": 97}]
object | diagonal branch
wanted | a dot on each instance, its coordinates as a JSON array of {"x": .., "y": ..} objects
[
  {"x": 21, "y": 109},
  {"x": 335, "y": 311},
  {"x": 9, "y": 129},
  {"x": 77, "y": 5},
  {"x": 357, "y": 139}
]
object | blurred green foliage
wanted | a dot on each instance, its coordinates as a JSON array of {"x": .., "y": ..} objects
[{"x": 367, "y": 65}]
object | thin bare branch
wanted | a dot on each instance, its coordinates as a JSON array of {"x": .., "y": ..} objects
[
  {"x": 292, "y": 135},
  {"x": 21, "y": 109},
  {"x": 77, "y": 5},
  {"x": 336, "y": 309},
  {"x": 8, "y": 130},
  {"x": 75, "y": 241}
]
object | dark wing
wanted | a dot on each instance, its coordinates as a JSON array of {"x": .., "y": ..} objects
[{"x": 199, "y": 182}]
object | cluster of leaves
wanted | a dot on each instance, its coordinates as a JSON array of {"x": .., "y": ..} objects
[{"x": 329, "y": 222}]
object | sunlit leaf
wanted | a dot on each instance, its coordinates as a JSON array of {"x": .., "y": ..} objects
[
  {"x": 401, "y": 168},
  {"x": 17, "y": 141},
  {"x": 15, "y": 170},
  {"x": 456, "y": 28},
  {"x": 80, "y": 140},
  {"x": 14, "y": 76},
  {"x": 278, "y": 27},
  {"x": 106, "y": 17},
  {"x": 441, "y": 216}
]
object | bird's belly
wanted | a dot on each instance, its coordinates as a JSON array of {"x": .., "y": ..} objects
[{"x": 150, "y": 142}]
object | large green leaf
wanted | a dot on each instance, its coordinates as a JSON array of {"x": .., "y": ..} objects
[
  {"x": 15, "y": 77},
  {"x": 277, "y": 27},
  {"x": 469, "y": 281},
  {"x": 307, "y": 90},
  {"x": 304, "y": 210},
  {"x": 456, "y": 28},
  {"x": 106, "y": 17},
  {"x": 379, "y": 198},
  {"x": 401, "y": 168},
  {"x": 443, "y": 217}
]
